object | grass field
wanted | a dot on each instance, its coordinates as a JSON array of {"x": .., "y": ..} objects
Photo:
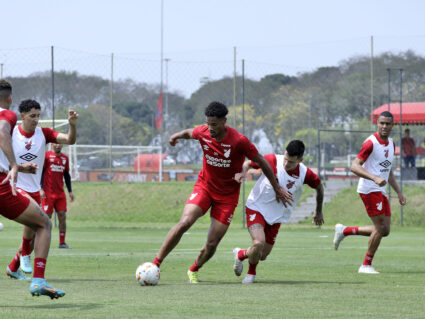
[{"x": 302, "y": 278}]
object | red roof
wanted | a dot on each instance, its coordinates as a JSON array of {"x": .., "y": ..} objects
[{"x": 412, "y": 113}]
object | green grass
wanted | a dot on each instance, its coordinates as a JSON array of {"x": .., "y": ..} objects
[{"x": 302, "y": 278}]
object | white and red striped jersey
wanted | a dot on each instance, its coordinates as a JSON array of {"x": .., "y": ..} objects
[
  {"x": 262, "y": 197},
  {"x": 11, "y": 118},
  {"x": 378, "y": 157},
  {"x": 31, "y": 147}
]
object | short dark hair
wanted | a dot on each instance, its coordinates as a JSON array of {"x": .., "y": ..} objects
[
  {"x": 27, "y": 105},
  {"x": 5, "y": 89},
  {"x": 216, "y": 109},
  {"x": 295, "y": 148},
  {"x": 407, "y": 130},
  {"x": 387, "y": 114}
]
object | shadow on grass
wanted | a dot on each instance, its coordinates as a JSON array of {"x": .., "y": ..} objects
[
  {"x": 56, "y": 306},
  {"x": 284, "y": 282}
]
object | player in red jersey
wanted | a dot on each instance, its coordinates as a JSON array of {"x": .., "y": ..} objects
[
  {"x": 373, "y": 166},
  {"x": 55, "y": 171},
  {"x": 264, "y": 214},
  {"x": 17, "y": 207},
  {"x": 224, "y": 150},
  {"x": 29, "y": 144}
]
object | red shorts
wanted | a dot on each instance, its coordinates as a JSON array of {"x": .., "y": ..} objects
[
  {"x": 11, "y": 206},
  {"x": 376, "y": 203},
  {"x": 271, "y": 231},
  {"x": 50, "y": 203},
  {"x": 35, "y": 196},
  {"x": 222, "y": 209}
]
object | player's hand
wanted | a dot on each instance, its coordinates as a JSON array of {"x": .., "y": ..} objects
[
  {"x": 72, "y": 117},
  {"x": 318, "y": 218},
  {"x": 284, "y": 196},
  {"x": 42, "y": 194},
  {"x": 71, "y": 196},
  {"x": 12, "y": 176},
  {"x": 239, "y": 177},
  {"x": 379, "y": 181},
  {"x": 173, "y": 141},
  {"x": 402, "y": 200},
  {"x": 29, "y": 168}
]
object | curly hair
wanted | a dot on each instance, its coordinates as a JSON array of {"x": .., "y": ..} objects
[
  {"x": 27, "y": 105},
  {"x": 295, "y": 148},
  {"x": 216, "y": 109}
]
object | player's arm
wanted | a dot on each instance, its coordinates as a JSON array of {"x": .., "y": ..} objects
[
  {"x": 318, "y": 214},
  {"x": 71, "y": 136},
  {"x": 281, "y": 194},
  {"x": 185, "y": 134},
  {"x": 392, "y": 181},
  {"x": 42, "y": 192},
  {"x": 6, "y": 147},
  {"x": 67, "y": 179},
  {"x": 240, "y": 177},
  {"x": 29, "y": 168},
  {"x": 357, "y": 168}
]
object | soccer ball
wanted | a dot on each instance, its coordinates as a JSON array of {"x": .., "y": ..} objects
[{"x": 147, "y": 274}]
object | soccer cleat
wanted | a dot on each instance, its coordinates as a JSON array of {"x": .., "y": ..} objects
[
  {"x": 64, "y": 245},
  {"x": 238, "y": 265},
  {"x": 249, "y": 279},
  {"x": 40, "y": 287},
  {"x": 16, "y": 274},
  {"x": 193, "y": 276},
  {"x": 367, "y": 269},
  {"x": 25, "y": 263},
  {"x": 339, "y": 235}
]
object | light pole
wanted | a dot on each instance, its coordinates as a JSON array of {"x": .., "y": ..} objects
[{"x": 166, "y": 92}]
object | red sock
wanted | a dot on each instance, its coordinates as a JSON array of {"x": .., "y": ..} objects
[
  {"x": 194, "y": 267},
  {"x": 351, "y": 231},
  {"x": 26, "y": 246},
  {"x": 15, "y": 263},
  {"x": 242, "y": 254},
  {"x": 368, "y": 260},
  {"x": 61, "y": 237},
  {"x": 252, "y": 269},
  {"x": 157, "y": 262},
  {"x": 39, "y": 267}
]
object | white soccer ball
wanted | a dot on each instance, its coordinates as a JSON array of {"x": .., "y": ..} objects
[
  {"x": 1, "y": 226},
  {"x": 147, "y": 274}
]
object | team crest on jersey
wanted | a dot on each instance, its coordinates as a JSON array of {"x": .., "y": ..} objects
[
  {"x": 63, "y": 161},
  {"x": 386, "y": 153},
  {"x": 28, "y": 145},
  {"x": 290, "y": 184},
  {"x": 227, "y": 153}
]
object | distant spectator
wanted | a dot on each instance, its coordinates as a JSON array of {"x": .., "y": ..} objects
[{"x": 409, "y": 149}]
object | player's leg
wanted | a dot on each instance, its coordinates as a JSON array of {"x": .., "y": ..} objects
[
  {"x": 191, "y": 213},
  {"x": 62, "y": 228}
]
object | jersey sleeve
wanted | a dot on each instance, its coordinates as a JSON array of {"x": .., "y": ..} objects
[
  {"x": 196, "y": 132},
  {"x": 50, "y": 134},
  {"x": 10, "y": 117},
  {"x": 271, "y": 158},
  {"x": 311, "y": 179},
  {"x": 247, "y": 148},
  {"x": 367, "y": 148}
]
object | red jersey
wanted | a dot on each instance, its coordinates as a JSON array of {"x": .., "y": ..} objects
[
  {"x": 54, "y": 168},
  {"x": 222, "y": 160}
]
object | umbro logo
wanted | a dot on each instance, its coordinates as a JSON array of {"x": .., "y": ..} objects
[
  {"x": 206, "y": 147},
  {"x": 41, "y": 264},
  {"x": 385, "y": 163},
  {"x": 28, "y": 157}
]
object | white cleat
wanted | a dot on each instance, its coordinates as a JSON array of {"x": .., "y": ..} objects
[
  {"x": 249, "y": 279},
  {"x": 367, "y": 269},
  {"x": 339, "y": 235},
  {"x": 25, "y": 264},
  {"x": 238, "y": 265}
]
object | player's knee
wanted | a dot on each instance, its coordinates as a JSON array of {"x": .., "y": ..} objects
[
  {"x": 385, "y": 231},
  {"x": 258, "y": 246},
  {"x": 263, "y": 256},
  {"x": 184, "y": 224}
]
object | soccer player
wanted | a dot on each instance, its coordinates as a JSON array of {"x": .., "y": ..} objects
[
  {"x": 29, "y": 144},
  {"x": 264, "y": 214},
  {"x": 56, "y": 169},
  {"x": 17, "y": 207},
  {"x": 224, "y": 150},
  {"x": 373, "y": 166}
]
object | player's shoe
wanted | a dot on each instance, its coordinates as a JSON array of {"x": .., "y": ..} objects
[
  {"x": 339, "y": 235},
  {"x": 64, "y": 245},
  {"x": 40, "y": 287},
  {"x": 238, "y": 265},
  {"x": 25, "y": 262},
  {"x": 367, "y": 269},
  {"x": 249, "y": 279},
  {"x": 193, "y": 276},
  {"x": 16, "y": 274}
]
